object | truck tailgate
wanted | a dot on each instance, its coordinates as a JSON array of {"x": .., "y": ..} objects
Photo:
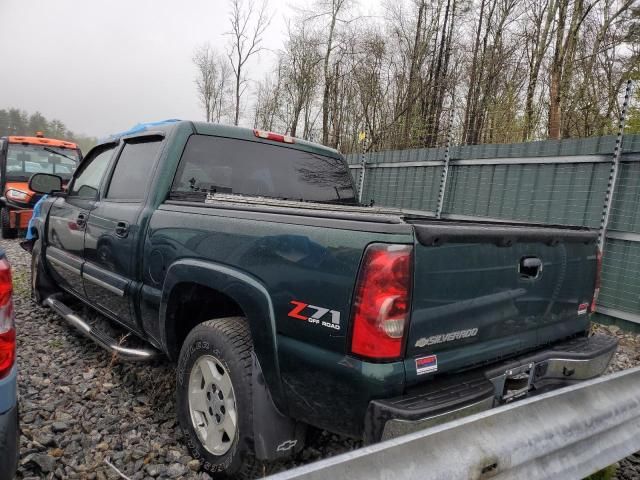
[{"x": 486, "y": 291}]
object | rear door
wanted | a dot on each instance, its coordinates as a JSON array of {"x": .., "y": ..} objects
[
  {"x": 68, "y": 217},
  {"x": 112, "y": 233}
]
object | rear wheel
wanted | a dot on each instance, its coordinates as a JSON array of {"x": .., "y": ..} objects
[
  {"x": 214, "y": 397},
  {"x": 7, "y": 231}
]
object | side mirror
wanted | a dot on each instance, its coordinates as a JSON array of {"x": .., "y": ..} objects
[{"x": 45, "y": 183}]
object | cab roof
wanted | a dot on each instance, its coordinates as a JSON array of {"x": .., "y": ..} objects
[
  {"x": 47, "y": 142},
  {"x": 228, "y": 131}
]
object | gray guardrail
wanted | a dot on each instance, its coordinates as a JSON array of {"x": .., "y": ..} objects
[{"x": 568, "y": 433}]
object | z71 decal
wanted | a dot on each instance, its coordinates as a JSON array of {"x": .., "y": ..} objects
[{"x": 302, "y": 311}]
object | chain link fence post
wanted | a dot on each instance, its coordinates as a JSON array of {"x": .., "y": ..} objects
[
  {"x": 363, "y": 168},
  {"x": 445, "y": 168},
  {"x": 613, "y": 173}
]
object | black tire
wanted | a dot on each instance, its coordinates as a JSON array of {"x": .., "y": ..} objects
[
  {"x": 7, "y": 231},
  {"x": 228, "y": 340}
]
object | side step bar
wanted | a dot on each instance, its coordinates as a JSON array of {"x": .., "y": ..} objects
[{"x": 105, "y": 341}]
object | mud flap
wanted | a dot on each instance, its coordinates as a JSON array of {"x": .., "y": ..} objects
[
  {"x": 275, "y": 435},
  {"x": 27, "y": 245},
  {"x": 44, "y": 286}
]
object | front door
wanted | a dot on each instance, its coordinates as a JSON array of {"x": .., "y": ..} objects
[
  {"x": 68, "y": 218},
  {"x": 113, "y": 232}
]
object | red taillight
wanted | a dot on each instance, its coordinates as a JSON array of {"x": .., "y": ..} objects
[
  {"x": 382, "y": 301},
  {"x": 596, "y": 290},
  {"x": 276, "y": 137},
  {"x": 7, "y": 327}
]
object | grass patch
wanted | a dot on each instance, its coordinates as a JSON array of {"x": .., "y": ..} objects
[
  {"x": 21, "y": 283},
  {"x": 604, "y": 474},
  {"x": 56, "y": 343}
]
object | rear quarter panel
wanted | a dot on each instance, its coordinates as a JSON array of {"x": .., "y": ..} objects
[{"x": 314, "y": 265}]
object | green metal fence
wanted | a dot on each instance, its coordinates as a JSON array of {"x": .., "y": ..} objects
[{"x": 554, "y": 182}]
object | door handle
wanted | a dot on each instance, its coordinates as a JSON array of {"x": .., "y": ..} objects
[
  {"x": 122, "y": 229},
  {"x": 530, "y": 267},
  {"x": 81, "y": 220}
]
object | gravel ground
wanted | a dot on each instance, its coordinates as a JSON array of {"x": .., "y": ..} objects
[
  {"x": 82, "y": 412},
  {"x": 80, "y": 409}
]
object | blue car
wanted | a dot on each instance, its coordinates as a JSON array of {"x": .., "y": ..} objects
[{"x": 9, "y": 435}]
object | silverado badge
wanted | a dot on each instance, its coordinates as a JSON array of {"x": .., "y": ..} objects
[{"x": 446, "y": 337}]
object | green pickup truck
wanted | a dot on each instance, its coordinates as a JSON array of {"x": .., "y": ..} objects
[{"x": 244, "y": 256}]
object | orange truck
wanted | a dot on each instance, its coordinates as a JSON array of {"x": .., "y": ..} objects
[{"x": 21, "y": 157}]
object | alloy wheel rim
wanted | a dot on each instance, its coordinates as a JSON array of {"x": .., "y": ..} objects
[{"x": 212, "y": 405}]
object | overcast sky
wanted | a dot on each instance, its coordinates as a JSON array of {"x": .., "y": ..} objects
[{"x": 102, "y": 66}]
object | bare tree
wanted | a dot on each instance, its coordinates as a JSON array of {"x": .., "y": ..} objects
[
  {"x": 212, "y": 80},
  {"x": 518, "y": 69},
  {"x": 600, "y": 71},
  {"x": 248, "y": 24},
  {"x": 415, "y": 63},
  {"x": 331, "y": 9},
  {"x": 574, "y": 13},
  {"x": 203, "y": 61},
  {"x": 301, "y": 72},
  {"x": 268, "y": 108},
  {"x": 542, "y": 14}
]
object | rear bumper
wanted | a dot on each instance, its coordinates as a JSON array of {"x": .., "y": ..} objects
[{"x": 463, "y": 394}]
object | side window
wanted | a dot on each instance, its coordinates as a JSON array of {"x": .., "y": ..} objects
[
  {"x": 87, "y": 183},
  {"x": 133, "y": 171}
]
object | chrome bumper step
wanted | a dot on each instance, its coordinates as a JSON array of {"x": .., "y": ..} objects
[
  {"x": 101, "y": 338},
  {"x": 451, "y": 397}
]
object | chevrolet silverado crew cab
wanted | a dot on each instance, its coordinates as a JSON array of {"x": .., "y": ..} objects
[{"x": 244, "y": 256}]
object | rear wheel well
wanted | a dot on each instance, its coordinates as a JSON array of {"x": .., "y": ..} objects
[{"x": 191, "y": 304}]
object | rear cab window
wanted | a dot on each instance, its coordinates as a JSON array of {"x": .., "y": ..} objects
[{"x": 242, "y": 167}]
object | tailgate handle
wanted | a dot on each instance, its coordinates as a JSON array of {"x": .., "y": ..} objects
[{"x": 530, "y": 267}]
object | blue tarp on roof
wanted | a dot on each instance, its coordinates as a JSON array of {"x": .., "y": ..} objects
[{"x": 140, "y": 127}]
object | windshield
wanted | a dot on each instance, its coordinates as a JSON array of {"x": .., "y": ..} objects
[{"x": 25, "y": 160}]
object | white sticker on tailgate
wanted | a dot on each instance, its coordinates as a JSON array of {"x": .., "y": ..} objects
[{"x": 426, "y": 364}]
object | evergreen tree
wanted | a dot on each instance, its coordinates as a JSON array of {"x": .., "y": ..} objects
[{"x": 14, "y": 121}]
